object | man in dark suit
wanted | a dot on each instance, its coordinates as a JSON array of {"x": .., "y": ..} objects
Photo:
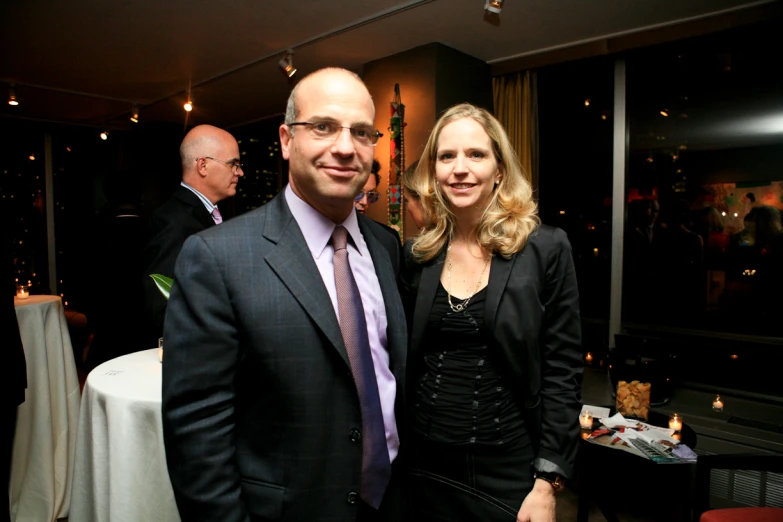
[
  {"x": 210, "y": 173},
  {"x": 284, "y": 365}
]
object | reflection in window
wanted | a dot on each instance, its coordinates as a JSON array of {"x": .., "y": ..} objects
[
  {"x": 703, "y": 241},
  {"x": 575, "y": 182}
]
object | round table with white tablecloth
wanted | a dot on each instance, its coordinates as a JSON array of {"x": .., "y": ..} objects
[
  {"x": 120, "y": 472},
  {"x": 45, "y": 436}
]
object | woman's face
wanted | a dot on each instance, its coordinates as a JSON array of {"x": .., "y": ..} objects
[{"x": 465, "y": 166}]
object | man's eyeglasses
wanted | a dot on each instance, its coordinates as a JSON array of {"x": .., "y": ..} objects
[
  {"x": 324, "y": 129},
  {"x": 234, "y": 164},
  {"x": 372, "y": 197}
]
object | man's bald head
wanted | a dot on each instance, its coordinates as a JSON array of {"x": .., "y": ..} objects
[
  {"x": 202, "y": 140},
  {"x": 207, "y": 154},
  {"x": 291, "y": 112}
]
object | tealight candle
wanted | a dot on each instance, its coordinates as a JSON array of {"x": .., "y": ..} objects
[
  {"x": 586, "y": 420},
  {"x": 675, "y": 423},
  {"x": 718, "y": 404},
  {"x": 160, "y": 349},
  {"x": 22, "y": 292}
]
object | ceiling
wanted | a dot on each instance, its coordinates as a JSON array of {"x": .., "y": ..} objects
[{"x": 87, "y": 62}]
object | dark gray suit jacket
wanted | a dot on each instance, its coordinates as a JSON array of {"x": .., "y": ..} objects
[
  {"x": 260, "y": 410},
  {"x": 532, "y": 310}
]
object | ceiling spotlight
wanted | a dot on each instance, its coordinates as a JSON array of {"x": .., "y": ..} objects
[
  {"x": 188, "y": 105},
  {"x": 494, "y": 6},
  {"x": 135, "y": 115},
  {"x": 287, "y": 64},
  {"x": 105, "y": 135},
  {"x": 12, "y": 97}
]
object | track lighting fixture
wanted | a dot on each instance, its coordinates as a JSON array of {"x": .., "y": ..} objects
[
  {"x": 188, "y": 105},
  {"x": 287, "y": 64},
  {"x": 12, "y": 97},
  {"x": 493, "y": 6},
  {"x": 105, "y": 135},
  {"x": 135, "y": 115}
]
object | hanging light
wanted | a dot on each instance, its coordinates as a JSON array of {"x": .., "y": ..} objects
[
  {"x": 105, "y": 135},
  {"x": 135, "y": 115},
  {"x": 12, "y": 97},
  {"x": 287, "y": 64},
  {"x": 665, "y": 113},
  {"x": 494, "y": 6},
  {"x": 188, "y": 105}
]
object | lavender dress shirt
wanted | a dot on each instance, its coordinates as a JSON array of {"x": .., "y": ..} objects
[{"x": 317, "y": 230}]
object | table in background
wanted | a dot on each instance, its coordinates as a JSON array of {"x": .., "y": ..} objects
[
  {"x": 613, "y": 478},
  {"x": 45, "y": 436},
  {"x": 120, "y": 472}
]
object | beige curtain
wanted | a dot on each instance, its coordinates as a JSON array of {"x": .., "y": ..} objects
[{"x": 516, "y": 109}]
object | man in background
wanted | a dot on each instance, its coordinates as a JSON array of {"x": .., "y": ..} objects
[
  {"x": 210, "y": 173},
  {"x": 369, "y": 193}
]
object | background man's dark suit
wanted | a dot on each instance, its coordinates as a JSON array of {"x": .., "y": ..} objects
[
  {"x": 532, "y": 310},
  {"x": 281, "y": 421},
  {"x": 179, "y": 218}
]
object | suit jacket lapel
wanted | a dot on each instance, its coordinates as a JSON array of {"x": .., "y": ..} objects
[
  {"x": 395, "y": 315},
  {"x": 198, "y": 209},
  {"x": 294, "y": 265},
  {"x": 498, "y": 277}
]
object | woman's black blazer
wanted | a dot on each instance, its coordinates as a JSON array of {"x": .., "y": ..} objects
[{"x": 532, "y": 309}]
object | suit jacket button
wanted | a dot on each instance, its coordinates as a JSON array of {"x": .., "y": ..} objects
[
  {"x": 352, "y": 497},
  {"x": 355, "y": 435}
]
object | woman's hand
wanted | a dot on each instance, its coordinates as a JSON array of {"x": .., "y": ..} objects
[{"x": 539, "y": 504}]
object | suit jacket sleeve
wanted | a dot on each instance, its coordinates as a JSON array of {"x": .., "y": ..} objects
[
  {"x": 201, "y": 357},
  {"x": 561, "y": 361}
]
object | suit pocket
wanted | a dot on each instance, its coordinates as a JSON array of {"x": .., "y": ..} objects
[{"x": 263, "y": 499}]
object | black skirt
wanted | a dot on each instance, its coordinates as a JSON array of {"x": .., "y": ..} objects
[{"x": 469, "y": 484}]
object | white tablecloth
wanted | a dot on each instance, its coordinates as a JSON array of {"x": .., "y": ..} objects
[
  {"x": 120, "y": 472},
  {"x": 45, "y": 436}
]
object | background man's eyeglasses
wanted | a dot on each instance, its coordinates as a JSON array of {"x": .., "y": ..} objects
[
  {"x": 322, "y": 130},
  {"x": 234, "y": 164},
  {"x": 372, "y": 197}
]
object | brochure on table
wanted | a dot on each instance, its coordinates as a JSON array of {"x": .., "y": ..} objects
[{"x": 639, "y": 438}]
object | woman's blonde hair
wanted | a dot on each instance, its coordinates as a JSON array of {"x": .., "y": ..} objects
[{"x": 511, "y": 215}]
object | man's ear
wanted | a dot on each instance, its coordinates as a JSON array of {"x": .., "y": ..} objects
[
  {"x": 201, "y": 167},
  {"x": 285, "y": 140}
]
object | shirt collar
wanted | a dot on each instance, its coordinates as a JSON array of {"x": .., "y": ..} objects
[
  {"x": 207, "y": 203},
  {"x": 316, "y": 228}
]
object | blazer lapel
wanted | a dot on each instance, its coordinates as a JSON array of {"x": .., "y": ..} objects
[
  {"x": 294, "y": 265},
  {"x": 498, "y": 277},
  {"x": 425, "y": 297}
]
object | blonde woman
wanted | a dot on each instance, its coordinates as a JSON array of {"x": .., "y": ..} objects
[{"x": 495, "y": 354}]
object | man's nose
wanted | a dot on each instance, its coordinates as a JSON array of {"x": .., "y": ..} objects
[{"x": 343, "y": 143}]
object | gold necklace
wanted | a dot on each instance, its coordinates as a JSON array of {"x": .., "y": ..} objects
[{"x": 459, "y": 307}]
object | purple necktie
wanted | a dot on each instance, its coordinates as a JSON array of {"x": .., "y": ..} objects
[
  {"x": 216, "y": 217},
  {"x": 376, "y": 468}
]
